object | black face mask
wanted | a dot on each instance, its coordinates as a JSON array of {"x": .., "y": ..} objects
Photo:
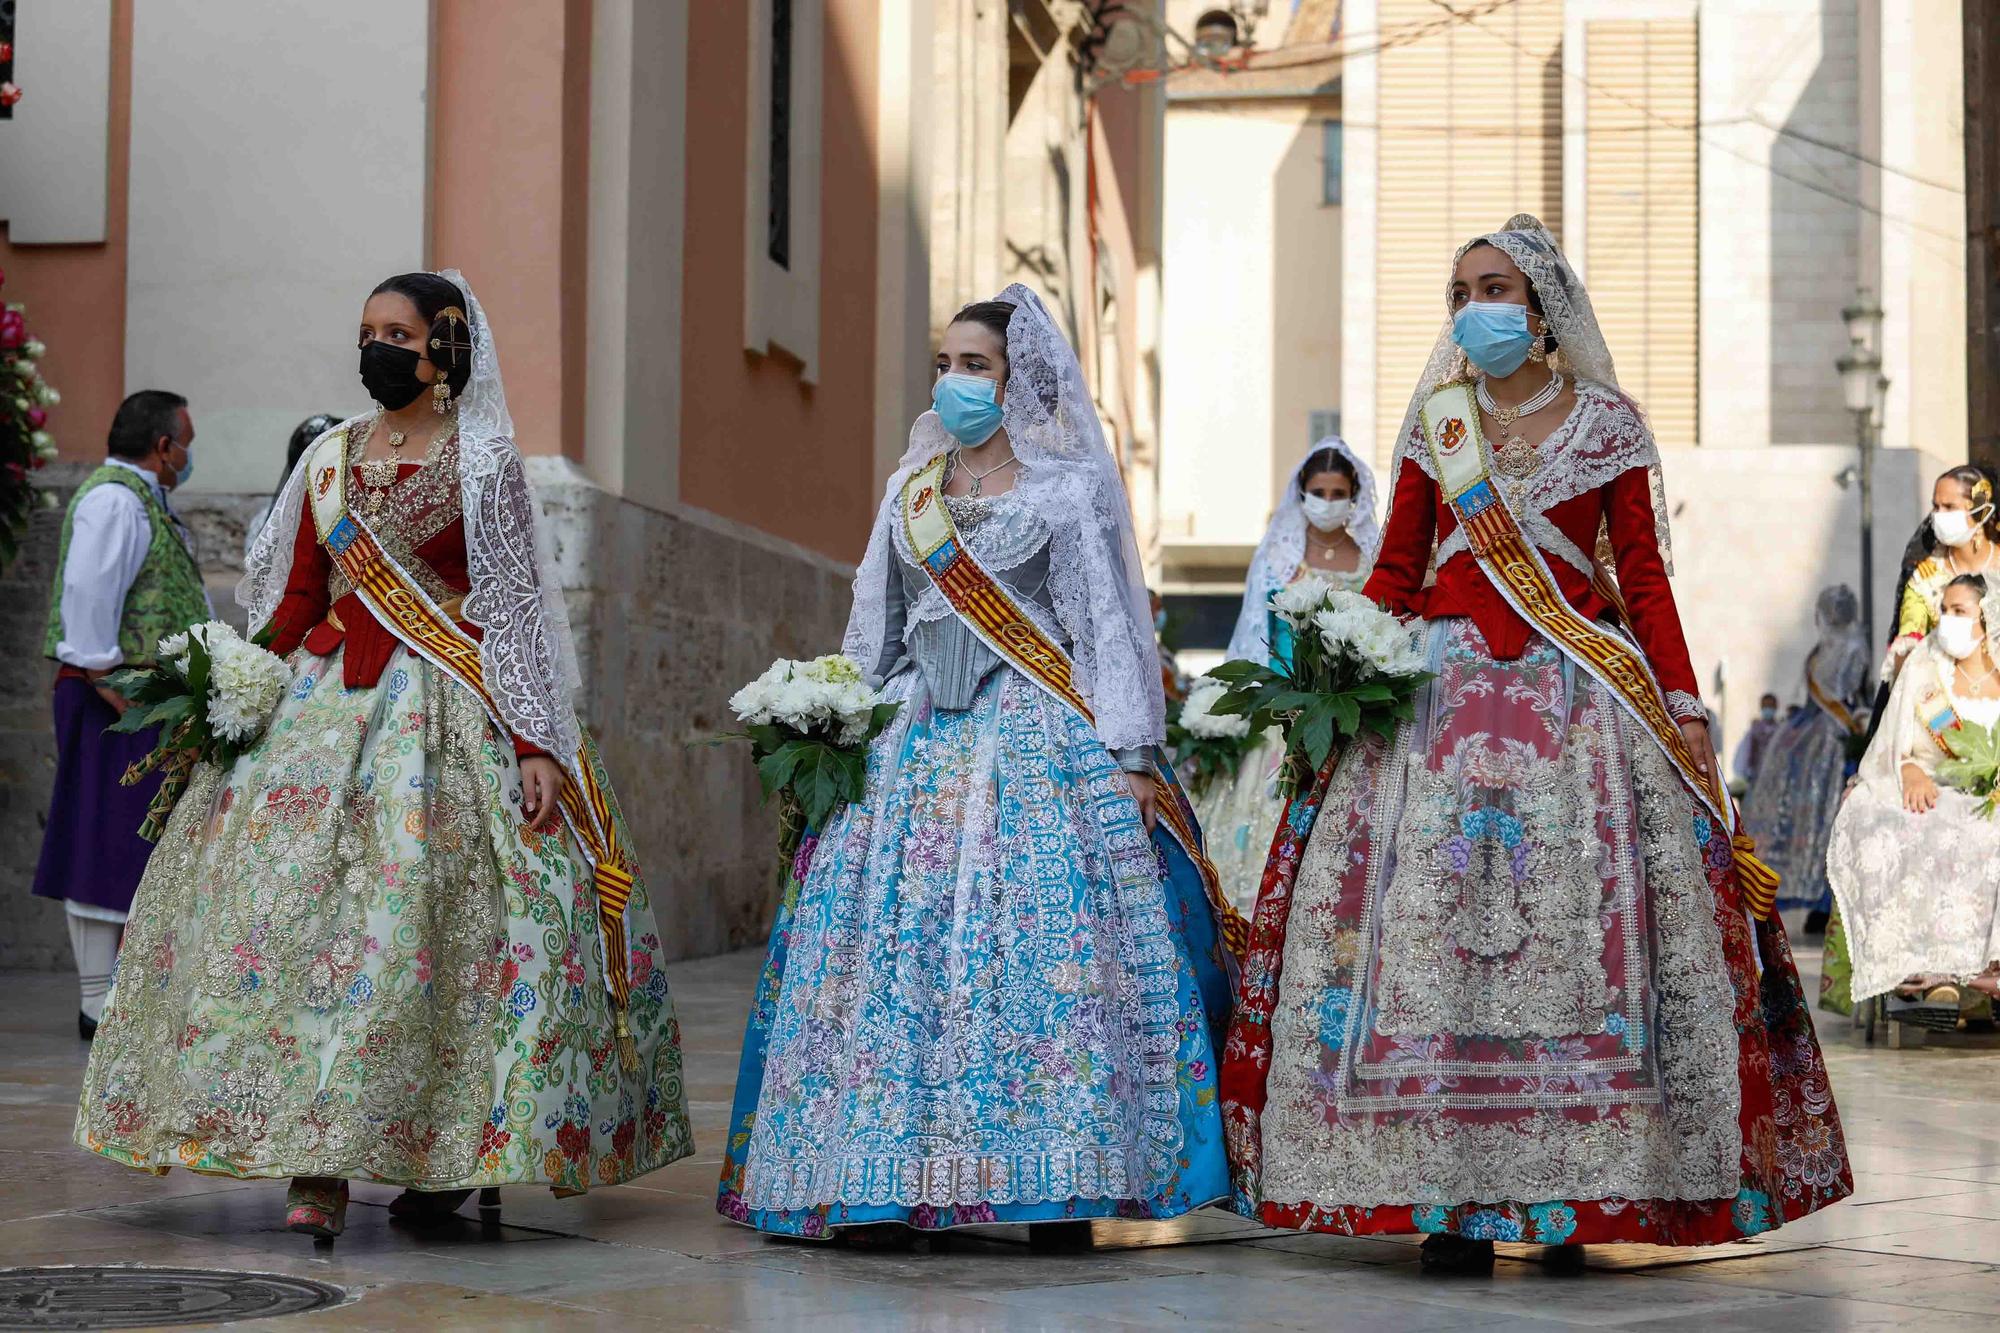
[{"x": 390, "y": 374}]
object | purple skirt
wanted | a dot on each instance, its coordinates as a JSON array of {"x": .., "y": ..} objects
[{"x": 92, "y": 852}]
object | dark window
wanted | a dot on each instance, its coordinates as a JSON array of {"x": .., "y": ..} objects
[
  {"x": 1329, "y": 189},
  {"x": 780, "y": 185},
  {"x": 1202, "y": 619},
  {"x": 6, "y": 55}
]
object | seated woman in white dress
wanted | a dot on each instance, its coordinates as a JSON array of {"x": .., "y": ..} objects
[{"x": 1914, "y": 860}]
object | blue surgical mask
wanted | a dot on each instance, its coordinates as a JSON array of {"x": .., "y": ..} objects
[
  {"x": 966, "y": 406},
  {"x": 1494, "y": 335}
]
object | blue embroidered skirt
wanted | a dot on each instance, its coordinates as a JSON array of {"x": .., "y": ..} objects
[{"x": 990, "y": 996}]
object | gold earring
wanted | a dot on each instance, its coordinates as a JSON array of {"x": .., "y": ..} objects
[
  {"x": 1538, "y": 351},
  {"x": 441, "y": 396}
]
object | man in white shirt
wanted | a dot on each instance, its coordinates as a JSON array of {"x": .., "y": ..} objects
[{"x": 127, "y": 578}]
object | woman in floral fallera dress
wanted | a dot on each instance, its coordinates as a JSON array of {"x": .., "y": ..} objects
[
  {"x": 1325, "y": 524},
  {"x": 990, "y": 996},
  {"x": 385, "y": 944},
  {"x": 1502, "y": 984}
]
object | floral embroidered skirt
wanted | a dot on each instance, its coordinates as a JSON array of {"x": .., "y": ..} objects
[
  {"x": 1239, "y": 817},
  {"x": 1499, "y": 986},
  {"x": 1791, "y": 807},
  {"x": 989, "y": 997},
  {"x": 349, "y": 957},
  {"x": 1918, "y": 893}
]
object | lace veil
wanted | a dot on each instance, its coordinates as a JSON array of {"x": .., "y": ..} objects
[
  {"x": 1606, "y": 446},
  {"x": 1071, "y": 481},
  {"x": 1283, "y": 549},
  {"x": 527, "y": 651}
]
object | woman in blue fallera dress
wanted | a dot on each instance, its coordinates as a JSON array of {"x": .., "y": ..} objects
[{"x": 996, "y": 982}]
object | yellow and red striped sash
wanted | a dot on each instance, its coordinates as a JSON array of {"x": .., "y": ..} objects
[
  {"x": 990, "y": 613},
  {"x": 424, "y": 628},
  {"x": 1833, "y": 707},
  {"x": 1465, "y": 478}
]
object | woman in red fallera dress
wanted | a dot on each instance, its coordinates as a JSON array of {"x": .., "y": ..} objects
[{"x": 1503, "y": 983}]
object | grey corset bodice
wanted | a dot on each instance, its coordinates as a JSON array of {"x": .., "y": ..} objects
[{"x": 1012, "y": 545}]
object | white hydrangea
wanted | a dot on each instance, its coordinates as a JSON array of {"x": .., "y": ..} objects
[
  {"x": 245, "y": 683},
  {"x": 1201, "y": 722},
  {"x": 827, "y": 694}
]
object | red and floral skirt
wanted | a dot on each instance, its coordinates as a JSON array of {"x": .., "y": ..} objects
[{"x": 1504, "y": 989}]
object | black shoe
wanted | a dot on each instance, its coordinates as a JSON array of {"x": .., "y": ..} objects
[
  {"x": 1563, "y": 1260},
  {"x": 1058, "y": 1237},
  {"x": 86, "y": 1026},
  {"x": 1448, "y": 1255},
  {"x": 1816, "y": 922}
]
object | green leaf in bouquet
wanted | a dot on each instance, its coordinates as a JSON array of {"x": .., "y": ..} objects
[
  {"x": 1313, "y": 732},
  {"x": 143, "y": 685},
  {"x": 817, "y": 781},
  {"x": 177, "y": 709},
  {"x": 880, "y": 718},
  {"x": 1240, "y": 672},
  {"x": 774, "y": 770},
  {"x": 1346, "y": 714},
  {"x": 1974, "y": 765},
  {"x": 766, "y": 738}
]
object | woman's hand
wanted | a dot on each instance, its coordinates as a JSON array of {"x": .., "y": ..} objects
[
  {"x": 1147, "y": 795},
  {"x": 1920, "y": 794},
  {"x": 1695, "y": 732},
  {"x": 541, "y": 791}
]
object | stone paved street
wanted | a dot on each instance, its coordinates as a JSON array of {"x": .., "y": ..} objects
[{"x": 1918, "y": 1247}]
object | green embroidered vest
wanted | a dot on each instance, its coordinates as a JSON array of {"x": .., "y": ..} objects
[{"x": 165, "y": 598}]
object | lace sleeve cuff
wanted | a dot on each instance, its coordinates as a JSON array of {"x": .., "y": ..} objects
[
  {"x": 1686, "y": 707},
  {"x": 1138, "y": 759}
]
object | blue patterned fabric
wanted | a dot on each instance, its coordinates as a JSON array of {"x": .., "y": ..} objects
[{"x": 990, "y": 997}]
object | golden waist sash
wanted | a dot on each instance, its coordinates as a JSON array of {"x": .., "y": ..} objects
[
  {"x": 1833, "y": 707},
  {"x": 985, "y": 607},
  {"x": 1465, "y": 478}
]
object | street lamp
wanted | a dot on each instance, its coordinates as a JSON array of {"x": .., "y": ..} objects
[{"x": 1864, "y": 386}]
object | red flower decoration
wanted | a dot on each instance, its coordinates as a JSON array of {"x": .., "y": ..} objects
[
  {"x": 13, "y": 329},
  {"x": 9, "y": 94},
  {"x": 6, "y": 52},
  {"x": 37, "y": 418}
]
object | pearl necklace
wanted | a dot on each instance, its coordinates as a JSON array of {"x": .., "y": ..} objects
[{"x": 1515, "y": 456}]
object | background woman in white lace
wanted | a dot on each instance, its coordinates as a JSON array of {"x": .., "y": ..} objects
[
  {"x": 990, "y": 995},
  {"x": 1790, "y": 807},
  {"x": 1505, "y": 991},
  {"x": 1915, "y": 862},
  {"x": 1325, "y": 522},
  {"x": 371, "y": 949}
]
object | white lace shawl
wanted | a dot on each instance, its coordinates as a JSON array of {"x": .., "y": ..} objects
[
  {"x": 527, "y": 652},
  {"x": 1283, "y": 548},
  {"x": 1069, "y": 478},
  {"x": 1612, "y": 439}
]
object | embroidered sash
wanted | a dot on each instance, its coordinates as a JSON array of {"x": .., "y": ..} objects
[
  {"x": 428, "y": 631},
  {"x": 1465, "y": 478},
  {"x": 1833, "y": 707},
  {"x": 1940, "y": 718},
  {"x": 983, "y": 604}
]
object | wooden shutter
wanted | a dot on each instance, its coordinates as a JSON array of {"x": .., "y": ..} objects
[
  {"x": 1471, "y": 134},
  {"x": 1641, "y": 256}
]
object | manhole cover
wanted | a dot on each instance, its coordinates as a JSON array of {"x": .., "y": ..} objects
[{"x": 104, "y": 1297}]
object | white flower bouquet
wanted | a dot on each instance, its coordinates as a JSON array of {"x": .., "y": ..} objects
[
  {"x": 809, "y": 724},
  {"x": 1353, "y": 667},
  {"x": 211, "y": 694},
  {"x": 1207, "y": 744}
]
